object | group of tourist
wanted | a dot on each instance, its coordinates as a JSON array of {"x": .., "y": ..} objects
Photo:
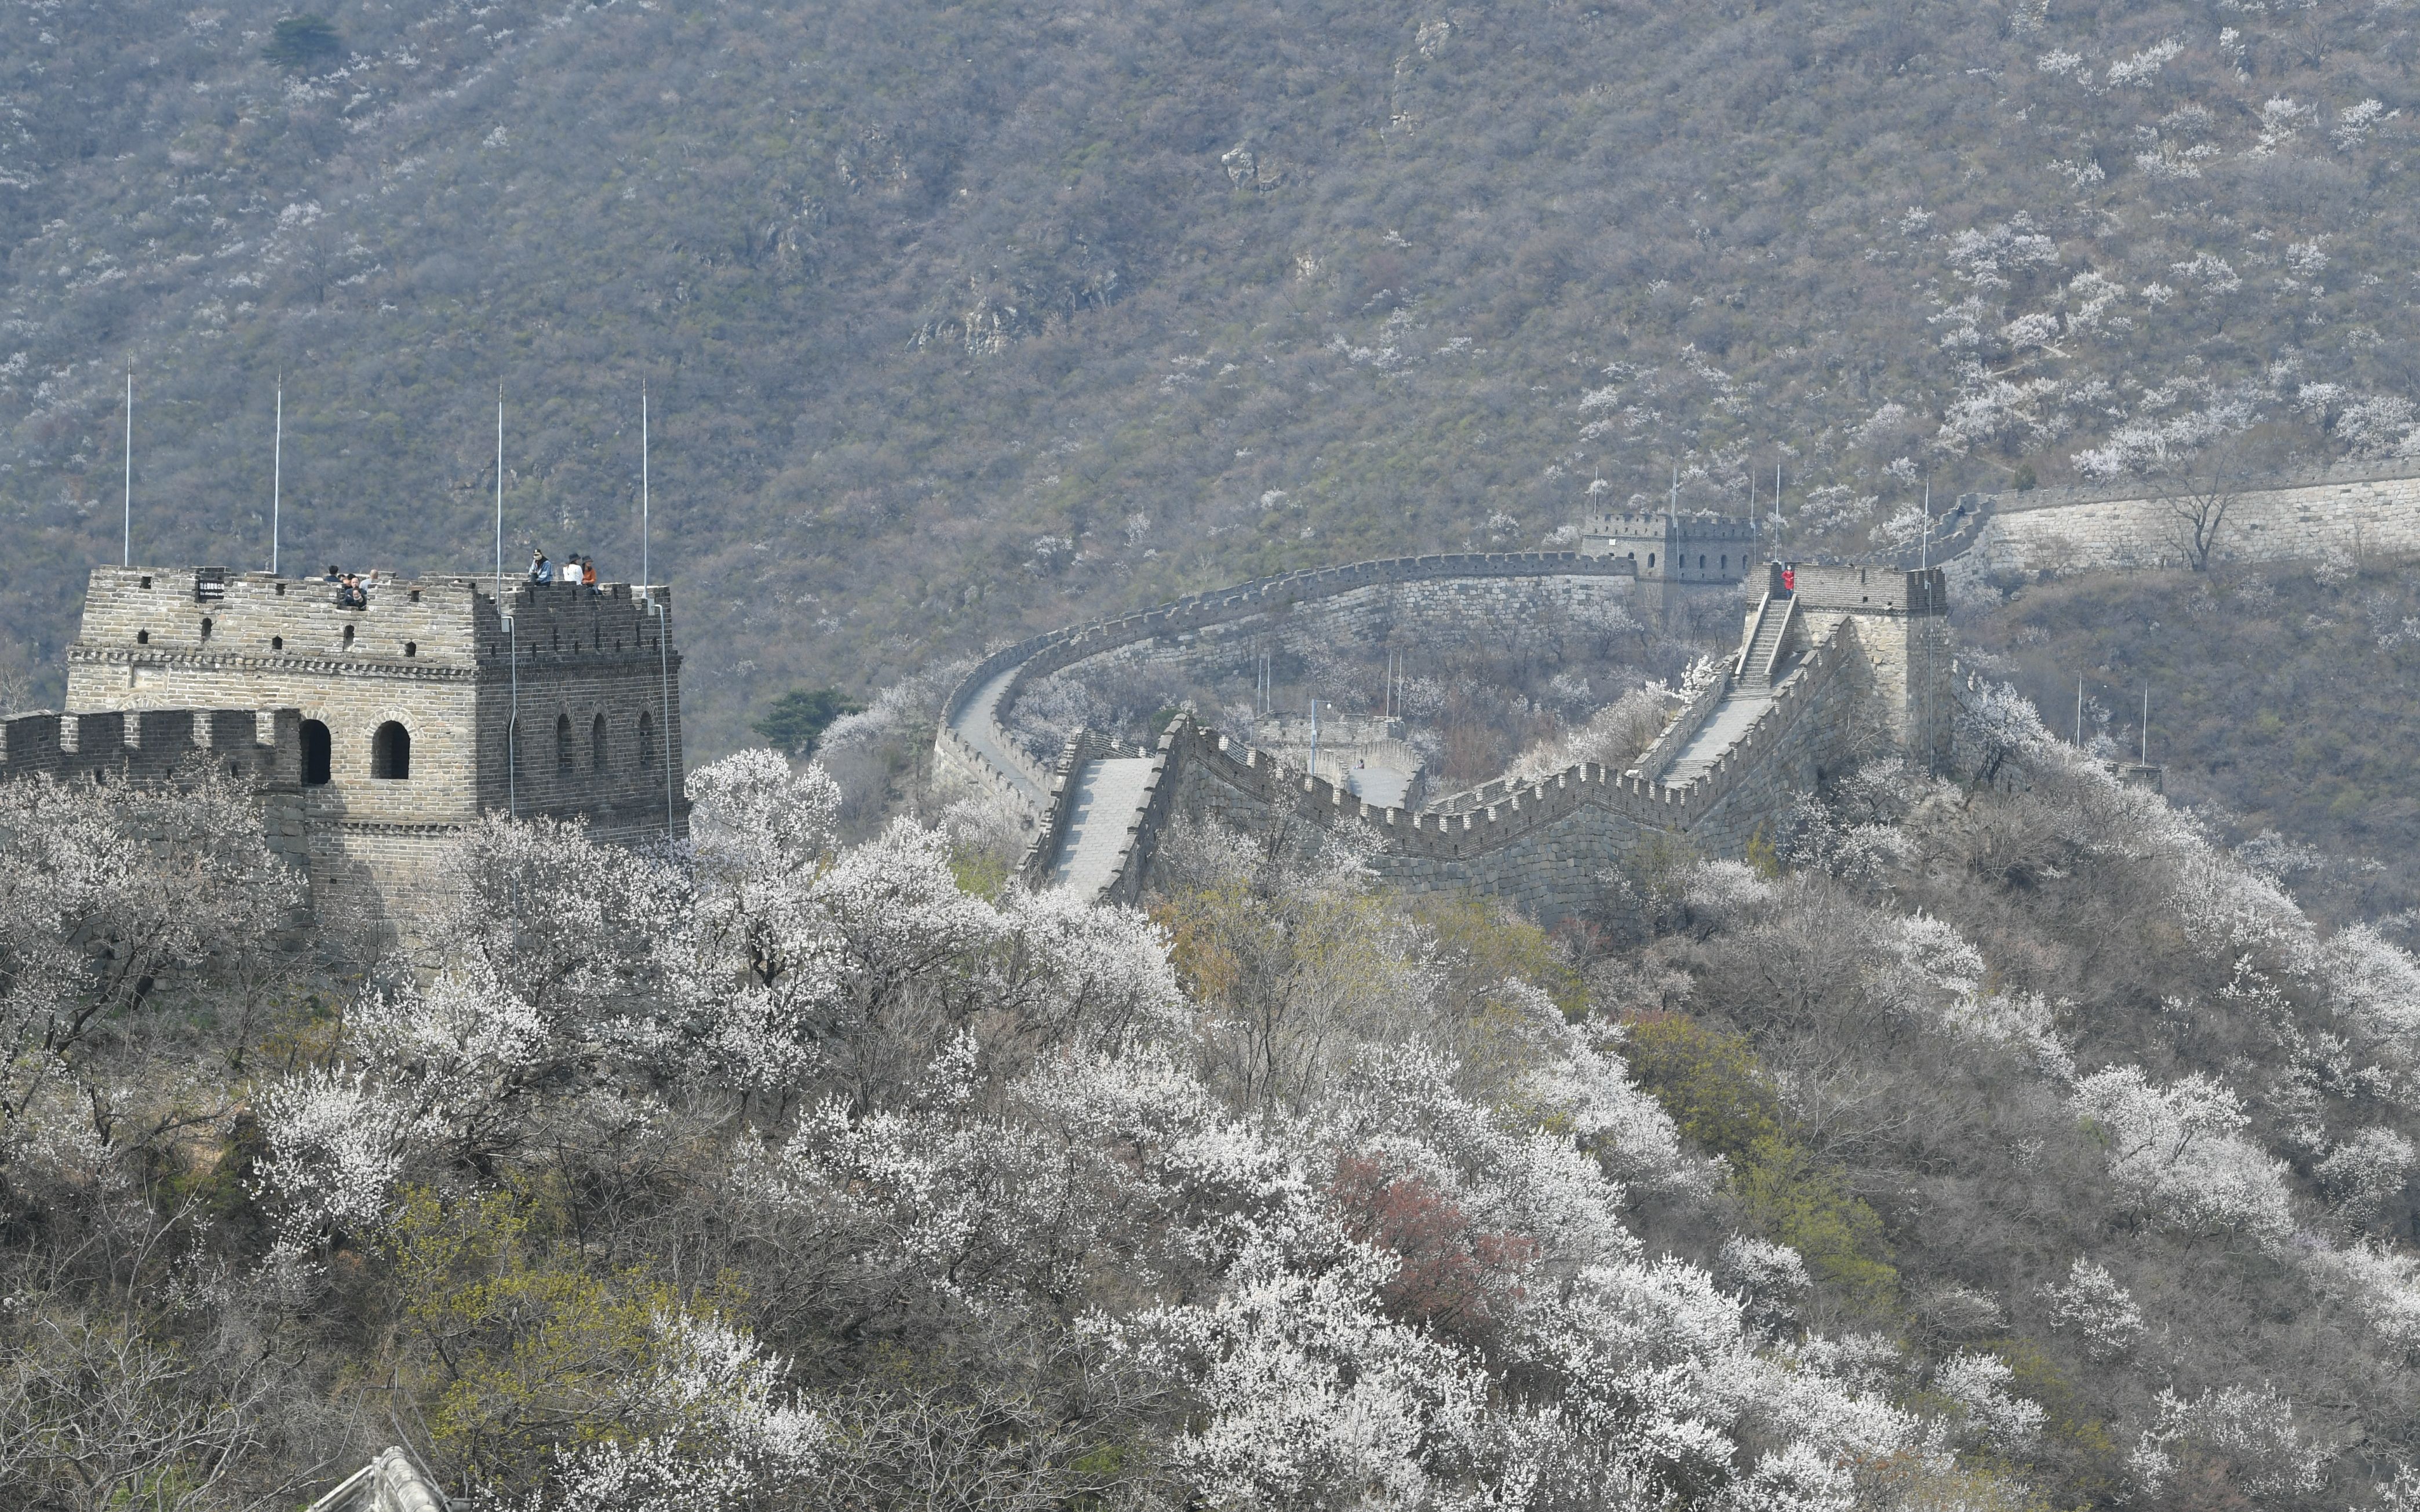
[
  {"x": 352, "y": 588},
  {"x": 576, "y": 570}
]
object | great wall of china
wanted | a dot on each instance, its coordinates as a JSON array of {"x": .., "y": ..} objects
[
  {"x": 2360, "y": 511},
  {"x": 1822, "y": 665},
  {"x": 1817, "y": 668}
]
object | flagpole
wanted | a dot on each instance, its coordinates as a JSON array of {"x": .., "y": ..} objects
[
  {"x": 663, "y": 628},
  {"x": 512, "y": 642},
  {"x": 126, "y": 551},
  {"x": 644, "y": 581},
  {"x": 277, "y": 474},
  {"x": 499, "y": 495}
]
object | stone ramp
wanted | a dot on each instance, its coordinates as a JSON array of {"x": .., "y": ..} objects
[
  {"x": 978, "y": 720},
  {"x": 1109, "y": 795},
  {"x": 1739, "y": 709}
]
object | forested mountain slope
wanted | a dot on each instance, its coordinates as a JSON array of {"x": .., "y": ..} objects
[
  {"x": 965, "y": 319},
  {"x": 2281, "y": 701},
  {"x": 1994, "y": 1144}
]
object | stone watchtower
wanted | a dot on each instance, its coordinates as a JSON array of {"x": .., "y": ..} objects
[
  {"x": 1672, "y": 546},
  {"x": 1901, "y": 619},
  {"x": 418, "y": 714}
]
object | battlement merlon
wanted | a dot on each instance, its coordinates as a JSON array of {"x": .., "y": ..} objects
[{"x": 1689, "y": 524}]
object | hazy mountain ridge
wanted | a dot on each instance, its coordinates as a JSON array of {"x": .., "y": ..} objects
[{"x": 969, "y": 321}]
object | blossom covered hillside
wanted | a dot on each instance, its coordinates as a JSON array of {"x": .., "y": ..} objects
[{"x": 1999, "y": 1145}]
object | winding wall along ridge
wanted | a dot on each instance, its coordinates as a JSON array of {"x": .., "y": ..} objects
[
  {"x": 1539, "y": 841},
  {"x": 1024, "y": 781}
]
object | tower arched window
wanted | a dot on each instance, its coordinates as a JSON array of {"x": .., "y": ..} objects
[
  {"x": 597, "y": 744},
  {"x": 390, "y": 752},
  {"x": 563, "y": 762},
  {"x": 646, "y": 741},
  {"x": 316, "y": 749}
]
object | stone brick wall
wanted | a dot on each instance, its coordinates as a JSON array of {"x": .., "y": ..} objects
[
  {"x": 1875, "y": 665},
  {"x": 2349, "y": 511},
  {"x": 1903, "y": 628},
  {"x": 1693, "y": 546},
  {"x": 571, "y": 661},
  {"x": 260, "y": 748}
]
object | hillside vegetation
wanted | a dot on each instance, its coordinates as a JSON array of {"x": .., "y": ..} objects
[
  {"x": 2282, "y": 707},
  {"x": 1985, "y": 1145},
  {"x": 965, "y": 319}
]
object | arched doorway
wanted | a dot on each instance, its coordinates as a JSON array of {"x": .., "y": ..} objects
[{"x": 316, "y": 750}]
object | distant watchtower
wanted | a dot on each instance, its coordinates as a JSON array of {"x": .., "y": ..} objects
[
  {"x": 1902, "y": 626},
  {"x": 419, "y": 713},
  {"x": 1673, "y": 547}
]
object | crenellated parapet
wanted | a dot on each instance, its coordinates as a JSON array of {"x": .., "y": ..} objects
[
  {"x": 262, "y": 747},
  {"x": 1508, "y": 808}
]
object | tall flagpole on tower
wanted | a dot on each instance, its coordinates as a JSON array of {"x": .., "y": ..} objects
[
  {"x": 126, "y": 551},
  {"x": 500, "y": 494},
  {"x": 644, "y": 581},
  {"x": 663, "y": 629},
  {"x": 512, "y": 643},
  {"x": 276, "y": 474}
]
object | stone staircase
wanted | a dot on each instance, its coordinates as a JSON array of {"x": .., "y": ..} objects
[{"x": 1756, "y": 662}]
